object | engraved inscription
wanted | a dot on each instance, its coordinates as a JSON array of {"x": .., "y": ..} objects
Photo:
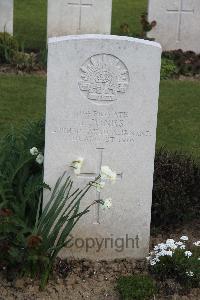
[
  {"x": 100, "y": 128},
  {"x": 103, "y": 77}
]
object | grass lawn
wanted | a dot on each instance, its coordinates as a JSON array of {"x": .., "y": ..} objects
[
  {"x": 30, "y": 19},
  {"x": 128, "y": 11},
  {"x": 23, "y": 97}
]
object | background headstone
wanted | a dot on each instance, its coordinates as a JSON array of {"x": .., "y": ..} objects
[
  {"x": 6, "y": 16},
  {"x": 68, "y": 17},
  {"x": 102, "y": 101},
  {"x": 178, "y": 24}
]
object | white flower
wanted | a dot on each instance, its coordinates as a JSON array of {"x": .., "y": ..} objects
[
  {"x": 184, "y": 238},
  {"x": 199, "y": 258},
  {"x": 162, "y": 246},
  {"x": 188, "y": 253},
  {"x": 148, "y": 258},
  {"x": 39, "y": 159},
  {"x": 190, "y": 273},
  {"x": 179, "y": 244},
  {"x": 107, "y": 174},
  {"x": 34, "y": 151},
  {"x": 197, "y": 243},
  {"x": 171, "y": 244},
  {"x": 165, "y": 253},
  {"x": 100, "y": 186},
  {"x": 153, "y": 263},
  {"x": 107, "y": 203},
  {"x": 182, "y": 247},
  {"x": 77, "y": 165}
]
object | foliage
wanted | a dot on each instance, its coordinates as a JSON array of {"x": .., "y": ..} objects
[
  {"x": 187, "y": 63},
  {"x": 168, "y": 69},
  {"x": 24, "y": 61},
  {"x": 42, "y": 58},
  {"x": 136, "y": 287},
  {"x": 13, "y": 232},
  {"x": 176, "y": 189},
  {"x": 52, "y": 229},
  {"x": 8, "y": 47},
  {"x": 146, "y": 25},
  {"x": 20, "y": 176},
  {"x": 177, "y": 260}
]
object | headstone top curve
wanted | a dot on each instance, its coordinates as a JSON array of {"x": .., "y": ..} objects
[{"x": 102, "y": 37}]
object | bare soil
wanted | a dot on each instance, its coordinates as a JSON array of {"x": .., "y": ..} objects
[{"x": 80, "y": 280}]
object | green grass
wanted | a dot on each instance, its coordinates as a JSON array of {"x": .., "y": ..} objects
[
  {"x": 178, "y": 119},
  {"x": 128, "y": 11},
  {"x": 23, "y": 98},
  {"x": 30, "y": 19}
]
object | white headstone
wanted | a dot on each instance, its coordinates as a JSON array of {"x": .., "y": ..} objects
[
  {"x": 6, "y": 16},
  {"x": 102, "y": 101},
  {"x": 178, "y": 24},
  {"x": 67, "y": 17}
]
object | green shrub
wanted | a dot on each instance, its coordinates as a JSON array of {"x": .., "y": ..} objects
[
  {"x": 177, "y": 260},
  {"x": 21, "y": 179},
  {"x": 187, "y": 63},
  {"x": 168, "y": 68},
  {"x": 146, "y": 25},
  {"x": 8, "y": 47},
  {"x": 13, "y": 233},
  {"x": 24, "y": 61},
  {"x": 176, "y": 189},
  {"x": 136, "y": 287}
]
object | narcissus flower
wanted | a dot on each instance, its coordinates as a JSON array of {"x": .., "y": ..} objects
[
  {"x": 39, "y": 159},
  {"x": 100, "y": 186},
  {"x": 34, "y": 151},
  {"x": 107, "y": 174},
  {"x": 107, "y": 203},
  {"x": 77, "y": 165}
]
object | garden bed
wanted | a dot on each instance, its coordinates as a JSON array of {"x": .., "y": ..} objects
[{"x": 97, "y": 280}]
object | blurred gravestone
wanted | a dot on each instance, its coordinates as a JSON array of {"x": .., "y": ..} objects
[
  {"x": 6, "y": 16},
  {"x": 68, "y": 17},
  {"x": 178, "y": 24}
]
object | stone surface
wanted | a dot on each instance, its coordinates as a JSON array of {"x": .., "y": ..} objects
[
  {"x": 102, "y": 96},
  {"x": 6, "y": 16},
  {"x": 67, "y": 17},
  {"x": 178, "y": 24}
]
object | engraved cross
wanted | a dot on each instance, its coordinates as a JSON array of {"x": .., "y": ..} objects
[
  {"x": 92, "y": 176},
  {"x": 80, "y": 4},
  {"x": 180, "y": 11}
]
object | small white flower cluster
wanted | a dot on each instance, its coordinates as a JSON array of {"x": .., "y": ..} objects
[
  {"x": 106, "y": 174},
  {"x": 167, "y": 249},
  {"x": 197, "y": 243},
  {"x": 39, "y": 156}
]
